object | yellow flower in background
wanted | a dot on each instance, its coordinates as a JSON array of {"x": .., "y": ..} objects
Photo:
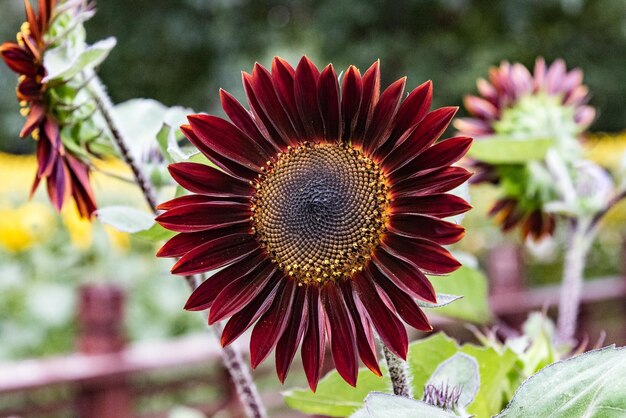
[
  {"x": 26, "y": 225},
  {"x": 118, "y": 239},
  {"x": 80, "y": 230},
  {"x": 606, "y": 150}
]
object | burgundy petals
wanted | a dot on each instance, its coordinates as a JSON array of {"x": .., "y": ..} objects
[
  {"x": 313, "y": 343},
  {"x": 443, "y": 154},
  {"x": 389, "y": 327},
  {"x": 202, "y": 298},
  {"x": 243, "y": 319},
  {"x": 431, "y": 228},
  {"x": 364, "y": 335},
  {"x": 203, "y": 179},
  {"x": 204, "y": 216},
  {"x": 438, "y": 181},
  {"x": 271, "y": 325},
  {"x": 383, "y": 116},
  {"x": 405, "y": 275},
  {"x": 306, "y": 78},
  {"x": 288, "y": 344},
  {"x": 440, "y": 205},
  {"x": 215, "y": 254},
  {"x": 351, "y": 93},
  {"x": 328, "y": 98},
  {"x": 369, "y": 98},
  {"x": 342, "y": 333},
  {"x": 283, "y": 76},
  {"x": 182, "y": 243},
  {"x": 241, "y": 291},
  {"x": 424, "y": 135},
  {"x": 232, "y": 167},
  {"x": 225, "y": 138},
  {"x": 405, "y": 306},
  {"x": 427, "y": 255}
]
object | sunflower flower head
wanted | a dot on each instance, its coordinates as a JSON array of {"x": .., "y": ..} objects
[
  {"x": 324, "y": 211},
  {"x": 548, "y": 104},
  {"x": 65, "y": 134}
]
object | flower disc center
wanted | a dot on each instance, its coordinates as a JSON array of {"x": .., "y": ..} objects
[{"x": 320, "y": 211}]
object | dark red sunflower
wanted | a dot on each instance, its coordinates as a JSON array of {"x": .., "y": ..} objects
[
  {"x": 551, "y": 102},
  {"x": 65, "y": 174},
  {"x": 324, "y": 214}
]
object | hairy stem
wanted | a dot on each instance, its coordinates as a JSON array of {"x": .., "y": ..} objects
[
  {"x": 233, "y": 361},
  {"x": 105, "y": 107},
  {"x": 398, "y": 373},
  {"x": 574, "y": 265}
]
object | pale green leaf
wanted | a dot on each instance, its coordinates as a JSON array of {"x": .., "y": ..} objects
[
  {"x": 382, "y": 405},
  {"x": 425, "y": 355},
  {"x": 61, "y": 69},
  {"x": 470, "y": 283},
  {"x": 155, "y": 233},
  {"x": 125, "y": 219},
  {"x": 334, "y": 397},
  {"x": 589, "y": 385},
  {"x": 502, "y": 150},
  {"x": 443, "y": 299},
  {"x": 460, "y": 370},
  {"x": 493, "y": 368}
]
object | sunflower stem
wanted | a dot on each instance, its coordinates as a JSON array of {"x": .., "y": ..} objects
[
  {"x": 105, "y": 107},
  {"x": 398, "y": 373},
  {"x": 233, "y": 361},
  {"x": 578, "y": 246}
]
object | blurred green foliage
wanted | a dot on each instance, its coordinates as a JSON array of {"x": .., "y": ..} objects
[{"x": 181, "y": 52}]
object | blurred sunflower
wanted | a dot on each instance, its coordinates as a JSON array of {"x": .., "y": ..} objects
[
  {"x": 65, "y": 173},
  {"x": 515, "y": 104},
  {"x": 324, "y": 215}
]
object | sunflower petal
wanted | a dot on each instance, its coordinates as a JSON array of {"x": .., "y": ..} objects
[
  {"x": 364, "y": 335},
  {"x": 313, "y": 343},
  {"x": 328, "y": 98},
  {"x": 351, "y": 94},
  {"x": 342, "y": 333},
  {"x": 241, "y": 291},
  {"x": 202, "y": 298},
  {"x": 271, "y": 325},
  {"x": 405, "y": 275},
  {"x": 222, "y": 136},
  {"x": 369, "y": 98},
  {"x": 203, "y": 179},
  {"x": 283, "y": 76},
  {"x": 306, "y": 78},
  {"x": 440, "y": 205},
  {"x": 288, "y": 344},
  {"x": 430, "y": 228},
  {"x": 184, "y": 242},
  {"x": 439, "y": 181},
  {"x": 405, "y": 306},
  {"x": 215, "y": 254},
  {"x": 384, "y": 114},
  {"x": 427, "y": 255},
  {"x": 204, "y": 216},
  {"x": 388, "y": 326}
]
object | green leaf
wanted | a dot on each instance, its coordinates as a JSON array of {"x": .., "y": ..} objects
[
  {"x": 460, "y": 370},
  {"x": 143, "y": 120},
  {"x": 503, "y": 150},
  {"x": 470, "y": 283},
  {"x": 425, "y": 355},
  {"x": 494, "y": 368},
  {"x": 592, "y": 384},
  {"x": 60, "y": 69},
  {"x": 382, "y": 405},
  {"x": 443, "y": 299},
  {"x": 125, "y": 219},
  {"x": 156, "y": 233},
  {"x": 334, "y": 397}
]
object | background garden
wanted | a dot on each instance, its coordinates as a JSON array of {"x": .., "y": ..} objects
[{"x": 181, "y": 52}]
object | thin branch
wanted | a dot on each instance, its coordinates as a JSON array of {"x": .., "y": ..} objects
[{"x": 602, "y": 212}]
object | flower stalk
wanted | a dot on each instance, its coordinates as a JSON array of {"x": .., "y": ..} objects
[
  {"x": 578, "y": 247},
  {"x": 233, "y": 361},
  {"x": 398, "y": 373}
]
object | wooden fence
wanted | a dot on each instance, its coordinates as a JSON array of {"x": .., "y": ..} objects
[{"x": 105, "y": 378}]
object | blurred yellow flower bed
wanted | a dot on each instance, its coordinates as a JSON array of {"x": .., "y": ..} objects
[{"x": 25, "y": 222}]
